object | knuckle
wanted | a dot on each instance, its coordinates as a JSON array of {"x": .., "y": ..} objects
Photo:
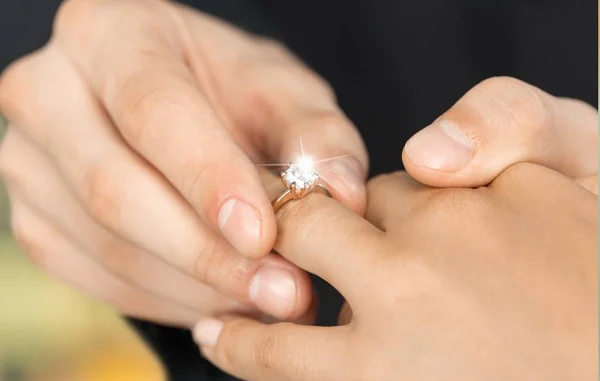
[
  {"x": 121, "y": 258},
  {"x": 214, "y": 267},
  {"x": 29, "y": 242},
  {"x": 101, "y": 195},
  {"x": 273, "y": 49},
  {"x": 330, "y": 124},
  {"x": 230, "y": 335},
  {"x": 7, "y": 165},
  {"x": 85, "y": 21},
  {"x": 522, "y": 106},
  {"x": 14, "y": 85},
  {"x": 142, "y": 106},
  {"x": 501, "y": 84},
  {"x": 311, "y": 87},
  {"x": 194, "y": 173},
  {"x": 75, "y": 16},
  {"x": 137, "y": 104},
  {"x": 268, "y": 347},
  {"x": 271, "y": 352},
  {"x": 379, "y": 183},
  {"x": 208, "y": 262},
  {"x": 12, "y": 178},
  {"x": 30, "y": 84}
]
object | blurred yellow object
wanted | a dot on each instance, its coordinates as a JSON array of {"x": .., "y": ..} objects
[
  {"x": 50, "y": 332},
  {"x": 119, "y": 363}
]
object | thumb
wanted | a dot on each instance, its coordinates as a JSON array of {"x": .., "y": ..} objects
[{"x": 498, "y": 123}]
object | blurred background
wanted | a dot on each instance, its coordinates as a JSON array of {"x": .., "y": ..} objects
[{"x": 49, "y": 332}]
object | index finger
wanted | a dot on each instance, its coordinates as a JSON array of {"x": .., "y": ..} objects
[
  {"x": 161, "y": 112},
  {"x": 322, "y": 236}
]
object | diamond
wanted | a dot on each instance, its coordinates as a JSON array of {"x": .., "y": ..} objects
[{"x": 302, "y": 176}]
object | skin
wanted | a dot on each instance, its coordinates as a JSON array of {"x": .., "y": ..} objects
[
  {"x": 174, "y": 108},
  {"x": 139, "y": 155},
  {"x": 497, "y": 282},
  {"x": 493, "y": 283}
]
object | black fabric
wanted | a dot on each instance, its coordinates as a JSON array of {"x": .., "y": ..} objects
[{"x": 395, "y": 65}]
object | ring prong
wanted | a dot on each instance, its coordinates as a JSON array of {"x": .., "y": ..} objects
[
  {"x": 295, "y": 191},
  {"x": 312, "y": 185},
  {"x": 284, "y": 181}
]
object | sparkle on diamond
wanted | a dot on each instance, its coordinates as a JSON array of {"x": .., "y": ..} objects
[{"x": 300, "y": 175}]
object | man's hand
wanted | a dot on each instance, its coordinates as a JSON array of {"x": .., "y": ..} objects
[
  {"x": 130, "y": 158},
  {"x": 493, "y": 283}
]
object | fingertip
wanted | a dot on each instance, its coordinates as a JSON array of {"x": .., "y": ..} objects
[
  {"x": 424, "y": 175},
  {"x": 281, "y": 289},
  {"x": 244, "y": 215},
  {"x": 468, "y": 177},
  {"x": 345, "y": 179},
  {"x": 242, "y": 225},
  {"x": 442, "y": 146},
  {"x": 207, "y": 331},
  {"x": 305, "y": 297}
]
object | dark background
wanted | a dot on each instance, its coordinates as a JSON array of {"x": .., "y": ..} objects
[{"x": 396, "y": 65}]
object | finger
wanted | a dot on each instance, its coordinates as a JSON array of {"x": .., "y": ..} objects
[
  {"x": 161, "y": 112},
  {"x": 29, "y": 173},
  {"x": 255, "y": 351},
  {"x": 398, "y": 189},
  {"x": 54, "y": 254},
  {"x": 324, "y": 237},
  {"x": 280, "y": 107},
  {"x": 341, "y": 165},
  {"x": 116, "y": 187},
  {"x": 500, "y": 122}
]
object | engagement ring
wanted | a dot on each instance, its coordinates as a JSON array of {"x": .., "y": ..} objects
[{"x": 299, "y": 179}]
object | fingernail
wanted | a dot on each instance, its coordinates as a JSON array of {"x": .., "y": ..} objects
[
  {"x": 206, "y": 332},
  {"x": 348, "y": 171},
  {"x": 240, "y": 225},
  {"x": 441, "y": 146},
  {"x": 273, "y": 290}
]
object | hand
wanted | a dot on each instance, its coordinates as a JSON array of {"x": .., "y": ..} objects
[
  {"x": 500, "y": 122},
  {"x": 131, "y": 150},
  {"x": 493, "y": 283}
]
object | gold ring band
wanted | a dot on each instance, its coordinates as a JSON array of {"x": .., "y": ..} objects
[
  {"x": 288, "y": 195},
  {"x": 299, "y": 179}
]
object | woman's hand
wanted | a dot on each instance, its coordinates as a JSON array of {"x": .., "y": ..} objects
[
  {"x": 500, "y": 122},
  {"x": 493, "y": 283},
  {"x": 131, "y": 150}
]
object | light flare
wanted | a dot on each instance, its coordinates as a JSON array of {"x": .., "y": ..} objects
[{"x": 304, "y": 161}]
